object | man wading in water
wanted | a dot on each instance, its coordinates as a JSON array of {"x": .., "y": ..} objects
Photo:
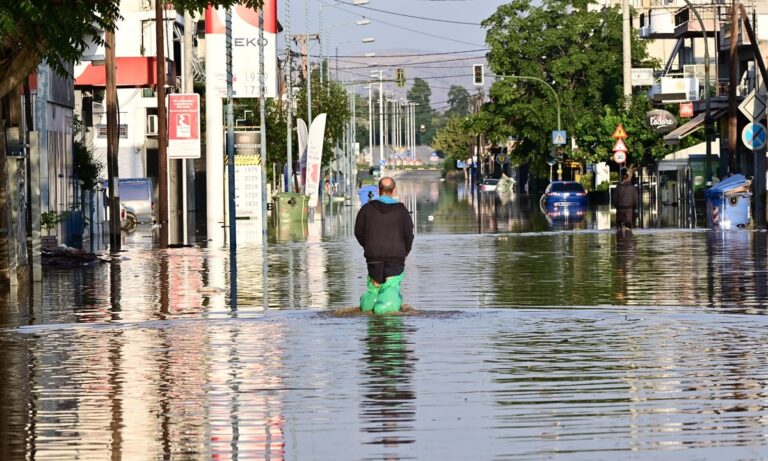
[{"x": 385, "y": 231}]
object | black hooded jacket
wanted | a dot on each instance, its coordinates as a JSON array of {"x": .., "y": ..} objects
[{"x": 385, "y": 231}]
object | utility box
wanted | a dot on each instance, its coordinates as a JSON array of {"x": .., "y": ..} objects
[
  {"x": 291, "y": 206},
  {"x": 367, "y": 193},
  {"x": 728, "y": 203}
]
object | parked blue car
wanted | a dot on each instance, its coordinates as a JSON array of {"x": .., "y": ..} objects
[{"x": 564, "y": 194}]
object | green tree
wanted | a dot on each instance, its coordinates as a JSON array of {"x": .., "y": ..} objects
[
  {"x": 458, "y": 99},
  {"x": 454, "y": 141},
  {"x": 572, "y": 48},
  {"x": 643, "y": 142},
  {"x": 420, "y": 93},
  {"x": 329, "y": 97}
]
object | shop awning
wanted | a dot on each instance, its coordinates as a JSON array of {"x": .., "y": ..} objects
[
  {"x": 690, "y": 126},
  {"x": 134, "y": 72}
]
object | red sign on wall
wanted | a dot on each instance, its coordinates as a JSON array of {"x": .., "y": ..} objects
[
  {"x": 686, "y": 109},
  {"x": 184, "y": 125}
]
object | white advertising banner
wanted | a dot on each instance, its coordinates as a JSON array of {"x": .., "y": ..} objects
[
  {"x": 245, "y": 50},
  {"x": 315, "y": 157}
]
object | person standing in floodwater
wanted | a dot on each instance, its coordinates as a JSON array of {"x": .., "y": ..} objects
[
  {"x": 624, "y": 198},
  {"x": 384, "y": 229}
]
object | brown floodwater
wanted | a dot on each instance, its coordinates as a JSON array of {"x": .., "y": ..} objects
[{"x": 526, "y": 336}]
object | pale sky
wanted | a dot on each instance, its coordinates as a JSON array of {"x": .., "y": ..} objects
[{"x": 393, "y": 31}]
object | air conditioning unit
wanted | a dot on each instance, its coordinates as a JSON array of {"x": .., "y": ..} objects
[{"x": 151, "y": 125}]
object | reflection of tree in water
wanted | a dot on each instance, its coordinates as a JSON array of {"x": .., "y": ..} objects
[{"x": 388, "y": 409}]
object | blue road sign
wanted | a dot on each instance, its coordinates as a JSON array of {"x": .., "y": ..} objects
[
  {"x": 382, "y": 162},
  {"x": 754, "y": 136},
  {"x": 558, "y": 137}
]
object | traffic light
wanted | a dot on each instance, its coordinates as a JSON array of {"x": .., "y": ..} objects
[
  {"x": 479, "y": 74},
  {"x": 400, "y": 77}
]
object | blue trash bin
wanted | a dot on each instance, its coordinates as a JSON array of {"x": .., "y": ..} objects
[
  {"x": 728, "y": 207},
  {"x": 368, "y": 193}
]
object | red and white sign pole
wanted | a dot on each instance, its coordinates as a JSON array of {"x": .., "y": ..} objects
[{"x": 183, "y": 125}]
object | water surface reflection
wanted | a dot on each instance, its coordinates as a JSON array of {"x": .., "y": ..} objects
[{"x": 530, "y": 340}]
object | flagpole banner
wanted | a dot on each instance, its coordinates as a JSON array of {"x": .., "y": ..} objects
[
  {"x": 302, "y": 133},
  {"x": 315, "y": 157}
]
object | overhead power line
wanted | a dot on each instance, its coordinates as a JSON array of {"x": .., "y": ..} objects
[{"x": 423, "y": 18}]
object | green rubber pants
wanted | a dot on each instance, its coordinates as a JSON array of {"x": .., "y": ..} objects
[{"x": 385, "y": 298}]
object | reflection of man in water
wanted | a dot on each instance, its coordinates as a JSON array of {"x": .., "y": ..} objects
[
  {"x": 625, "y": 200},
  {"x": 388, "y": 409},
  {"x": 384, "y": 229}
]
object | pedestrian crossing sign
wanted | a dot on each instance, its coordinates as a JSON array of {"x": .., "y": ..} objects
[{"x": 558, "y": 138}]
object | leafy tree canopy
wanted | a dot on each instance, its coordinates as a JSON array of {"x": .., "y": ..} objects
[
  {"x": 576, "y": 51},
  {"x": 59, "y": 30},
  {"x": 453, "y": 140},
  {"x": 420, "y": 93},
  {"x": 458, "y": 99}
]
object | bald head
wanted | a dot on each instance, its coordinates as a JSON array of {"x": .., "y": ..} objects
[{"x": 386, "y": 186}]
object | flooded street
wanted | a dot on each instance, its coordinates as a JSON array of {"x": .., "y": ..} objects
[{"x": 530, "y": 337}]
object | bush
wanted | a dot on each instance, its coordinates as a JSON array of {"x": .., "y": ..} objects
[
  {"x": 586, "y": 181},
  {"x": 603, "y": 186}
]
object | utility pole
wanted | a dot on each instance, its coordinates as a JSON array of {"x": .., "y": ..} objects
[
  {"x": 733, "y": 70},
  {"x": 303, "y": 41},
  {"x": 113, "y": 140},
  {"x": 162, "y": 124},
  {"x": 627, "y": 41}
]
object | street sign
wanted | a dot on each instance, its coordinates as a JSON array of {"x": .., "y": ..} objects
[
  {"x": 501, "y": 158},
  {"x": 619, "y": 157},
  {"x": 619, "y": 133},
  {"x": 620, "y": 146},
  {"x": 382, "y": 162},
  {"x": 642, "y": 76},
  {"x": 686, "y": 109},
  {"x": 753, "y": 106},
  {"x": 754, "y": 136},
  {"x": 184, "y": 125},
  {"x": 558, "y": 137}
]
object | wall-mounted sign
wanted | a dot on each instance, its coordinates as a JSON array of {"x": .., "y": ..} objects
[
  {"x": 122, "y": 129},
  {"x": 661, "y": 120},
  {"x": 686, "y": 109}
]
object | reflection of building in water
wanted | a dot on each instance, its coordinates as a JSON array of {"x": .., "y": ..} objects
[{"x": 388, "y": 408}]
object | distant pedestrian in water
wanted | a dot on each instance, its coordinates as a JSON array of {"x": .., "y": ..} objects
[
  {"x": 624, "y": 198},
  {"x": 384, "y": 229}
]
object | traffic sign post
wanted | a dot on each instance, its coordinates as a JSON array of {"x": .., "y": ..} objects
[
  {"x": 619, "y": 133},
  {"x": 620, "y": 148},
  {"x": 559, "y": 137},
  {"x": 619, "y": 156},
  {"x": 754, "y": 136}
]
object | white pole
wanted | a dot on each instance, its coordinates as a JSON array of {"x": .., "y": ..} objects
[
  {"x": 189, "y": 87},
  {"x": 370, "y": 122},
  {"x": 627, "y": 42},
  {"x": 381, "y": 114}
]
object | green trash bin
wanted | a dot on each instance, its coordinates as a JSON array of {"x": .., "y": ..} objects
[{"x": 291, "y": 206}]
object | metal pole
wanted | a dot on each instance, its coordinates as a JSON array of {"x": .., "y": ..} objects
[
  {"x": 707, "y": 119},
  {"x": 309, "y": 73},
  {"x": 289, "y": 98},
  {"x": 231, "y": 169},
  {"x": 370, "y": 121},
  {"x": 263, "y": 145},
  {"x": 381, "y": 114},
  {"x": 230, "y": 145},
  {"x": 627, "y": 52}
]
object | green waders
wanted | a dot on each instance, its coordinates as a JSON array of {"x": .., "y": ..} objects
[{"x": 385, "y": 298}]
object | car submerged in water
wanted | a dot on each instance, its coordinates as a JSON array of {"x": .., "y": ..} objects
[
  {"x": 564, "y": 194},
  {"x": 489, "y": 185}
]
